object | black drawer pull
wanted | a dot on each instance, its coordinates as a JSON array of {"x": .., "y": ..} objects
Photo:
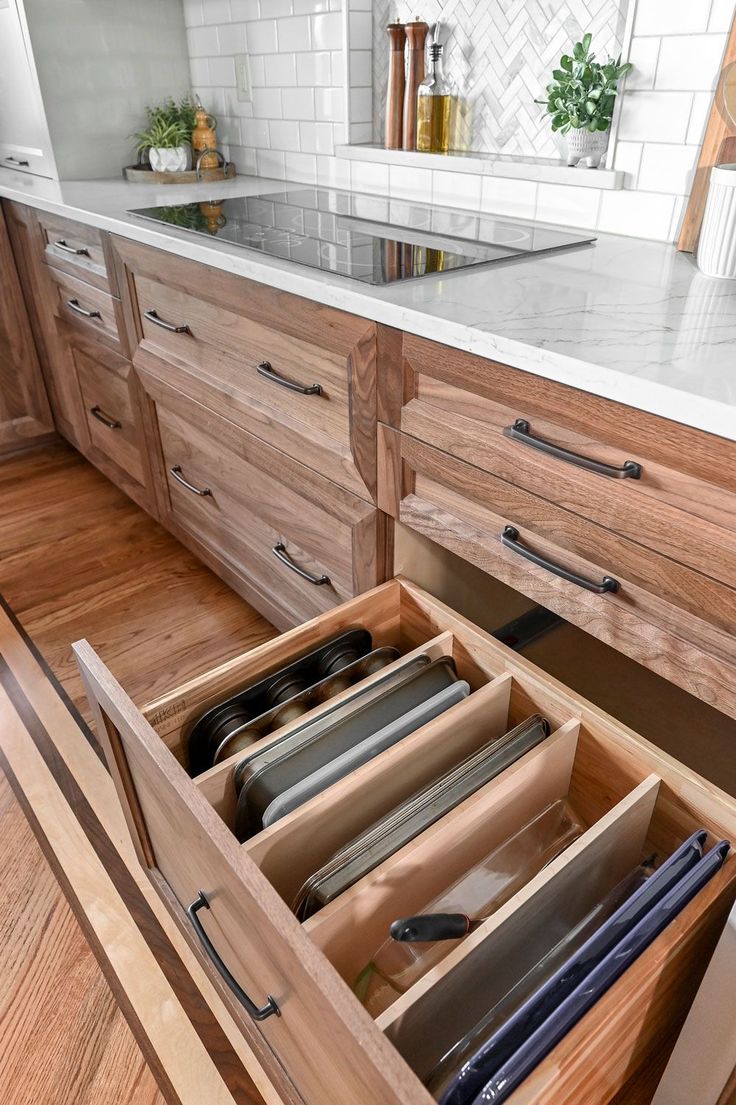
[
  {"x": 264, "y": 369},
  {"x": 111, "y": 423},
  {"x": 61, "y": 244},
  {"x": 156, "y": 319},
  {"x": 521, "y": 431},
  {"x": 177, "y": 474},
  {"x": 73, "y": 304},
  {"x": 279, "y": 551},
  {"x": 510, "y": 538},
  {"x": 17, "y": 161},
  {"x": 267, "y": 1010}
]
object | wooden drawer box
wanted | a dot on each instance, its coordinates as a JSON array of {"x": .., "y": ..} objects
[
  {"x": 298, "y": 375},
  {"x": 667, "y": 616},
  {"x": 633, "y": 800},
  {"x": 110, "y": 397},
  {"x": 666, "y": 486},
  {"x": 78, "y": 250},
  {"x": 89, "y": 310},
  {"x": 292, "y": 542}
]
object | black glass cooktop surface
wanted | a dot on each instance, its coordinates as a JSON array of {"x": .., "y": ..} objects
[{"x": 376, "y": 239}]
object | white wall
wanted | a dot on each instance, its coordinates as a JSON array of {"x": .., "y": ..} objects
[{"x": 296, "y": 118}]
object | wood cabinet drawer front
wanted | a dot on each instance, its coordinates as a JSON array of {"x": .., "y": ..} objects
[
  {"x": 668, "y": 617},
  {"x": 77, "y": 250},
  {"x": 683, "y": 502},
  {"x": 631, "y": 798},
  {"x": 258, "y": 501},
  {"x": 89, "y": 310},
  {"x": 109, "y": 405},
  {"x": 314, "y": 397}
]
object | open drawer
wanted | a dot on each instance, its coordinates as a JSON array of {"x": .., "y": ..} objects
[{"x": 292, "y": 982}]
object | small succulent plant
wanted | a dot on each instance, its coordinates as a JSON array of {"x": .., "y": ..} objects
[{"x": 583, "y": 91}]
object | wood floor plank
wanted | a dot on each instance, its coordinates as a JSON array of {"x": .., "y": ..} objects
[
  {"x": 64, "y": 1040},
  {"x": 79, "y": 559}
]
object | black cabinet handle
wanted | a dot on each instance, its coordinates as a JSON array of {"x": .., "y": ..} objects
[
  {"x": 521, "y": 431},
  {"x": 156, "y": 319},
  {"x": 81, "y": 252},
  {"x": 279, "y": 551},
  {"x": 510, "y": 538},
  {"x": 73, "y": 304},
  {"x": 17, "y": 161},
  {"x": 264, "y": 369},
  {"x": 176, "y": 472},
  {"x": 267, "y": 1010},
  {"x": 111, "y": 423}
]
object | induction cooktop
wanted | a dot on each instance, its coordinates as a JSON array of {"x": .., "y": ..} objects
[{"x": 376, "y": 239}]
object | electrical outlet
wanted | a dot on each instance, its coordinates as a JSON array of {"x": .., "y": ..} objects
[{"x": 242, "y": 78}]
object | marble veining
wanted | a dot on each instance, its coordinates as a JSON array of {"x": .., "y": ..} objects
[{"x": 627, "y": 319}]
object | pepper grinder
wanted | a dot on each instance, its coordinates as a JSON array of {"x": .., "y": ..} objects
[
  {"x": 416, "y": 36},
  {"x": 396, "y": 85}
]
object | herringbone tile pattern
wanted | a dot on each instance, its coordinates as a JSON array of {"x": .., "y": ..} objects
[{"x": 499, "y": 55}]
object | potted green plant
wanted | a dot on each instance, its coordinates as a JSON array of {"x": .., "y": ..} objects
[
  {"x": 580, "y": 101},
  {"x": 166, "y": 141}
]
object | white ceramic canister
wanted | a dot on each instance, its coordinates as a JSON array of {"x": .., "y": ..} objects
[{"x": 717, "y": 245}]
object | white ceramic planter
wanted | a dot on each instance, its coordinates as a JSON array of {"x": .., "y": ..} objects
[
  {"x": 177, "y": 160},
  {"x": 717, "y": 245},
  {"x": 586, "y": 147}
]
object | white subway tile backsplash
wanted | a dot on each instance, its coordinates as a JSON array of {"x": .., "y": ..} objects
[
  {"x": 690, "y": 61},
  {"x": 643, "y": 56},
  {"x": 515, "y": 198},
  {"x": 294, "y": 33},
  {"x": 655, "y": 116},
  {"x": 564, "y": 203},
  {"x": 296, "y": 117},
  {"x": 314, "y": 68},
  {"x": 327, "y": 31},
  {"x": 640, "y": 214},
  {"x": 297, "y": 103},
  {"x": 667, "y": 168},
  {"x": 456, "y": 189},
  {"x": 671, "y": 17}
]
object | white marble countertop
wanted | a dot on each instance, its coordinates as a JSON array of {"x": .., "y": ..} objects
[{"x": 626, "y": 319}]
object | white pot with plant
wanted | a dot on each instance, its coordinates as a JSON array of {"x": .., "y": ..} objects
[
  {"x": 580, "y": 100},
  {"x": 166, "y": 141}
]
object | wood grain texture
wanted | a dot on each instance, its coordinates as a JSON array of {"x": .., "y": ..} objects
[
  {"x": 106, "y": 326},
  {"x": 234, "y": 325},
  {"x": 718, "y": 133},
  {"x": 38, "y": 291},
  {"x": 63, "y": 1039},
  {"x": 396, "y": 84},
  {"x": 25, "y": 416},
  {"x": 92, "y": 266},
  {"x": 116, "y": 575},
  {"x": 651, "y": 618}
]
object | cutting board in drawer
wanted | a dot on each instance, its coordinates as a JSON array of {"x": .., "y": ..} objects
[
  {"x": 299, "y": 375},
  {"x": 292, "y": 542},
  {"x": 668, "y": 617},
  {"x": 290, "y": 984}
]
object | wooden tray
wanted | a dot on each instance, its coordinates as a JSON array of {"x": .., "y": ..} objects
[{"x": 139, "y": 174}]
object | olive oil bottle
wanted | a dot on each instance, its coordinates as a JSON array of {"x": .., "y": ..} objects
[{"x": 434, "y": 106}]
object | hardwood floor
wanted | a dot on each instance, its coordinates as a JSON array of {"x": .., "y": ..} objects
[{"x": 78, "y": 559}]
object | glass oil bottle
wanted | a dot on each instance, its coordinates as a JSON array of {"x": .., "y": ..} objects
[{"x": 434, "y": 106}]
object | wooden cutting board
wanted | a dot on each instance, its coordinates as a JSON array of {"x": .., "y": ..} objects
[{"x": 719, "y": 145}]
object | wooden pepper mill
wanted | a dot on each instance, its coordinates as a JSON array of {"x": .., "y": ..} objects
[
  {"x": 396, "y": 85},
  {"x": 203, "y": 138},
  {"x": 416, "y": 37}
]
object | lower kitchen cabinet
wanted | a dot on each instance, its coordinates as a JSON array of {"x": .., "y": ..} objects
[
  {"x": 25, "y": 416},
  {"x": 292, "y": 542},
  {"x": 290, "y": 984}
]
